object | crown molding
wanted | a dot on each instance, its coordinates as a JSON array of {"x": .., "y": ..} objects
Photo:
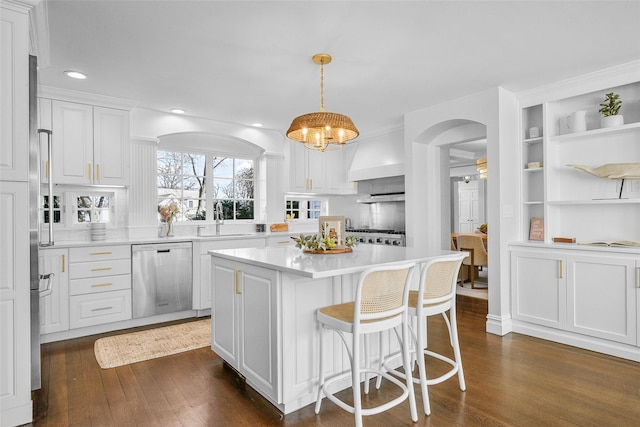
[{"x": 84, "y": 98}]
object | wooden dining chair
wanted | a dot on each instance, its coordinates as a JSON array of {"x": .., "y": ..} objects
[{"x": 478, "y": 255}]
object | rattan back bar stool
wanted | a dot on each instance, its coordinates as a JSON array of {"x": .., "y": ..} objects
[
  {"x": 381, "y": 301},
  {"x": 436, "y": 294}
]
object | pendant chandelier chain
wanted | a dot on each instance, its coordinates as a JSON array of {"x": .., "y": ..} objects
[{"x": 322, "y": 86}]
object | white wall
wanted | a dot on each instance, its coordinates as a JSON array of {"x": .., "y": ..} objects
[{"x": 427, "y": 183}]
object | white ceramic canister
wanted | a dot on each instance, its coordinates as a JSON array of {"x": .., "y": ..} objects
[{"x": 577, "y": 121}]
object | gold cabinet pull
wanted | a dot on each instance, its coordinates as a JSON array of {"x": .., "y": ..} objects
[
  {"x": 100, "y": 253},
  {"x": 561, "y": 265},
  {"x": 89, "y": 171},
  {"x": 101, "y": 269},
  {"x": 99, "y": 285},
  {"x": 237, "y": 282},
  {"x": 63, "y": 262},
  {"x": 98, "y": 171}
]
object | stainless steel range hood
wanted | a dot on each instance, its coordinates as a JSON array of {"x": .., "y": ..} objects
[{"x": 379, "y": 198}]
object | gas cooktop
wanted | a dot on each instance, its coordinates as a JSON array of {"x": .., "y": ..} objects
[{"x": 373, "y": 230}]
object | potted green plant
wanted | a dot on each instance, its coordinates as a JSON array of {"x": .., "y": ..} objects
[{"x": 610, "y": 109}]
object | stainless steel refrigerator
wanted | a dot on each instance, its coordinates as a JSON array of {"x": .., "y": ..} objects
[{"x": 40, "y": 281}]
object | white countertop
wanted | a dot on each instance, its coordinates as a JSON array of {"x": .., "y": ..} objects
[
  {"x": 143, "y": 240},
  {"x": 293, "y": 260}
]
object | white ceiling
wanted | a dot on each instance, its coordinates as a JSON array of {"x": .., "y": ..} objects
[{"x": 250, "y": 61}]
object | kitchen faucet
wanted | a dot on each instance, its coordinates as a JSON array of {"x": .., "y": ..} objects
[{"x": 218, "y": 216}]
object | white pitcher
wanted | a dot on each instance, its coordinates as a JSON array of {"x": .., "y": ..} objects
[{"x": 577, "y": 121}]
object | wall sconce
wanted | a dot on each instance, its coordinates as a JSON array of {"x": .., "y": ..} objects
[{"x": 481, "y": 167}]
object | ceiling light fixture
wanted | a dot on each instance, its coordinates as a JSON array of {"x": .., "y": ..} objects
[
  {"x": 257, "y": 125},
  {"x": 322, "y": 130},
  {"x": 178, "y": 111},
  {"x": 75, "y": 74}
]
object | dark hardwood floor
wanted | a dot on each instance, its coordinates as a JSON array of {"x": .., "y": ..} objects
[{"x": 511, "y": 381}]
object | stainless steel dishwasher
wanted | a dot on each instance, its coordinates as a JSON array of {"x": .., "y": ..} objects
[{"x": 162, "y": 278}]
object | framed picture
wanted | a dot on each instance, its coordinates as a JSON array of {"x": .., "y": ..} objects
[
  {"x": 332, "y": 226},
  {"x": 536, "y": 230}
]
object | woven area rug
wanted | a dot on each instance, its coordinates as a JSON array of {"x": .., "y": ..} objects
[{"x": 135, "y": 347}]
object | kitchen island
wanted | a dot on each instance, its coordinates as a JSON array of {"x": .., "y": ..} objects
[{"x": 264, "y": 313}]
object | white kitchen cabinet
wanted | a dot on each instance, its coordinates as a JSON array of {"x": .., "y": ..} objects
[
  {"x": 99, "y": 285},
  {"x": 539, "y": 287},
  {"x": 54, "y": 307},
  {"x": 307, "y": 169},
  {"x": 110, "y": 146},
  {"x": 202, "y": 289},
  {"x": 245, "y": 322},
  {"x": 15, "y": 361},
  {"x": 92, "y": 144},
  {"x": 284, "y": 240},
  {"x": 337, "y": 167},
  {"x": 318, "y": 172},
  {"x": 582, "y": 291},
  {"x": 14, "y": 101},
  {"x": 15, "y": 367},
  {"x": 601, "y": 292}
]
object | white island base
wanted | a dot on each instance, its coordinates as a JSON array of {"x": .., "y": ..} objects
[{"x": 264, "y": 314}]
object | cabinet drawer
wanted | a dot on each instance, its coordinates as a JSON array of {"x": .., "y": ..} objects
[
  {"x": 100, "y": 253},
  {"x": 231, "y": 244},
  {"x": 100, "y": 284},
  {"x": 99, "y": 308},
  {"x": 78, "y": 270}
]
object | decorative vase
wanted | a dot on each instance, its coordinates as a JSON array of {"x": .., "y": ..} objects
[
  {"x": 170, "y": 229},
  {"x": 611, "y": 121},
  {"x": 576, "y": 122}
]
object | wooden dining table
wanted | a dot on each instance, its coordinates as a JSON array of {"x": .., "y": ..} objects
[{"x": 454, "y": 236}]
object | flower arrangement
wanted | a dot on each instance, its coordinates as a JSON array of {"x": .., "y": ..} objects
[
  {"x": 168, "y": 212},
  {"x": 316, "y": 242}
]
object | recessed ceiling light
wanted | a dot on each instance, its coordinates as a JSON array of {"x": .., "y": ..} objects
[
  {"x": 178, "y": 111},
  {"x": 75, "y": 74},
  {"x": 257, "y": 125}
]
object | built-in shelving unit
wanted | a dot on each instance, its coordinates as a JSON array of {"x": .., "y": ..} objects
[{"x": 572, "y": 202}]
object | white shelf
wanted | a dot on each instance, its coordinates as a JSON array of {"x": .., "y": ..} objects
[
  {"x": 596, "y": 132},
  {"x": 537, "y": 140},
  {"x": 595, "y": 202},
  {"x": 534, "y": 202},
  {"x": 532, "y": 170}
]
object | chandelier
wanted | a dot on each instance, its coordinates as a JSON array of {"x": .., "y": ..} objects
[{"x": 322, "y": 130}]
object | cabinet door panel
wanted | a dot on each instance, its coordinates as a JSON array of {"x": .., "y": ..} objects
[
  {"x": 224, "y": 340},
  {"x": 111, "y": 148},
  {"x": 298, "y": 168},
  {"x": 258, "y": 355},
  {"x": 601, "y": 298},
  {"x": 539, "y": 288},
  {"x": 54, "y": 308},
  {"x": 14, "y": 101},
  {"x": 73, "y": 139}
]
